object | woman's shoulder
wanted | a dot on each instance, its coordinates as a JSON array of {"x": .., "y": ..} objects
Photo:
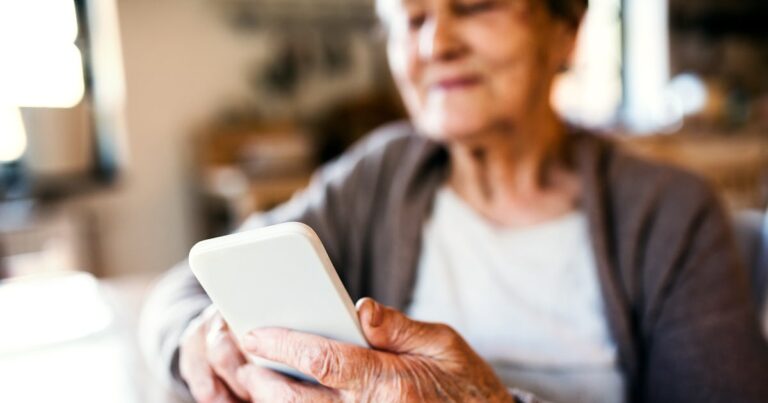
[
  {"x": 392, "y": 140},
  {"x": 631, "y": 177},
  {"x": 390, "y": 151}
]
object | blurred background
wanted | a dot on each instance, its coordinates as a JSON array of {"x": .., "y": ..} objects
[{"x": 130, "y": 129}]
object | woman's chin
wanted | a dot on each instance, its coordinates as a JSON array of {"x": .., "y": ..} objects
[{"x": 451, "y": 128}]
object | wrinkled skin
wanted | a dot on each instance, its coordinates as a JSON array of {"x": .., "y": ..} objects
[
  {"x": 408, "y": 361},
  {"x": 501, "y": 57}
]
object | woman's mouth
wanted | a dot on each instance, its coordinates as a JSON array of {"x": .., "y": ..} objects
[{"x": 456, "y": 83}]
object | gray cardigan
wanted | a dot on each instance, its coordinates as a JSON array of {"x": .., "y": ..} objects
[{"x": 676, "y": 295}]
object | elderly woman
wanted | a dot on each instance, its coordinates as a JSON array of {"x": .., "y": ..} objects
[{"x": 507, "y": 255}]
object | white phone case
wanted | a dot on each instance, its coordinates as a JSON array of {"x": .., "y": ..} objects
[{"x": 276, "y": 276}]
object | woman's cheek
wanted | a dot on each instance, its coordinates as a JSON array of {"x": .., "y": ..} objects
[
  {"x": 401, "y": 61},
  {"x": 406, "y": 71}
]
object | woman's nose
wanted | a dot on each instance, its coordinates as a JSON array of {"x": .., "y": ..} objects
[{"x": 439, "y": 39}]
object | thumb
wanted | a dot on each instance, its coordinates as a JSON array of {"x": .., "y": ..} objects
[{"x": 390, "y": 330}]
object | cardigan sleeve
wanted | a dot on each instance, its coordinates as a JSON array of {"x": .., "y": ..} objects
[
  {"x": 702, "y": 340},
  {"x": 335, "y": 205}
]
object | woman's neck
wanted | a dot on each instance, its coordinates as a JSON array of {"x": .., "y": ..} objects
[{"x": 515, "y": 177}]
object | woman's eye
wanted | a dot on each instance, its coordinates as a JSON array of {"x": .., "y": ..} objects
[
  {"x": 416, "y": 21},
  {"x": 474, "y": 7}
]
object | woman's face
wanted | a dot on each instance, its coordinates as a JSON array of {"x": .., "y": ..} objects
[{"x": 468, "y": 66}]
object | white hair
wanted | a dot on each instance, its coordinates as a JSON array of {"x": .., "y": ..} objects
[{"x": 383, "y": 9}]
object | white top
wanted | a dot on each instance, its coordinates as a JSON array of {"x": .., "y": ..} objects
[{"x": 527, "y": 300}]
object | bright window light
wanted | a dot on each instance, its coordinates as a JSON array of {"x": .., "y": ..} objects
[
  {"x": 689, "y": 92},
  {"x": 41, "y": 65},
  {"x": 13, "y": 137},
  {"x": 590, "y": 92},
  {"x": 648, "y": 108}
]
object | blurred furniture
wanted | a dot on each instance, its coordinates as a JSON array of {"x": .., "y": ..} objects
[
  {"x": 38, "y": 239},
  {"x": 250, "y": 166},
  {"x": 737, "y": 165},
  {"x": 282, "y": 14},
  {"x": 723, "y": 43},
  {"x": 70, "y": 104},
  {"x": 71, "y": 338}
]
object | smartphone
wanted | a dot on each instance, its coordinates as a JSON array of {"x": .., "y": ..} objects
[{"x": 276, "y": 276}]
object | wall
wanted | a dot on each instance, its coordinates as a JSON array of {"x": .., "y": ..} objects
[{"x": 182, "y": 65}]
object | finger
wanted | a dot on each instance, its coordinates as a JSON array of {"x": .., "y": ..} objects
[
  {"x": 334, "y": 364},
  {"x": 224, "y": 356},
  {"x": 265, "y": 385},
  {"x": 390, "y": 330},
  {"x": 203, "y": 384},
  {"x": 209, "y": 389}
]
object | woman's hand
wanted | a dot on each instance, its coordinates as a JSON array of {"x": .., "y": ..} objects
[
  {"x": 412, "y": 361},
  {"x": 209, "y": 360}
]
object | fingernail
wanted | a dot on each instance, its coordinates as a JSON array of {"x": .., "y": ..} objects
[
  {"x": 370, "y": 310},
  {"x": 252, "y": 340},
  {"x": 375, "y": 318}
]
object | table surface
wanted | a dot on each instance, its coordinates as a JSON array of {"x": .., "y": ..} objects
[{"x": 103, "y": 366}]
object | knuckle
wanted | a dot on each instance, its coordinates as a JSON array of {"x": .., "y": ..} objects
[
  {"x": 444, "y": 330},
  {"x": 289, "y": 394},
  {"x": 405, "y": 385},
  {"x": 410, "y": 392},
  {"x": 274, "y": 392},
  {"x": 323, "y": 363},
  {"x": 447, "y": 336},
  {"x": 192, "y": 333},
  {"x": 283, "y": 343},
  {"x": 202, "y": 394},
  {"x": 220, "y": 356},
  {"x": 221, "y": 351}
]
